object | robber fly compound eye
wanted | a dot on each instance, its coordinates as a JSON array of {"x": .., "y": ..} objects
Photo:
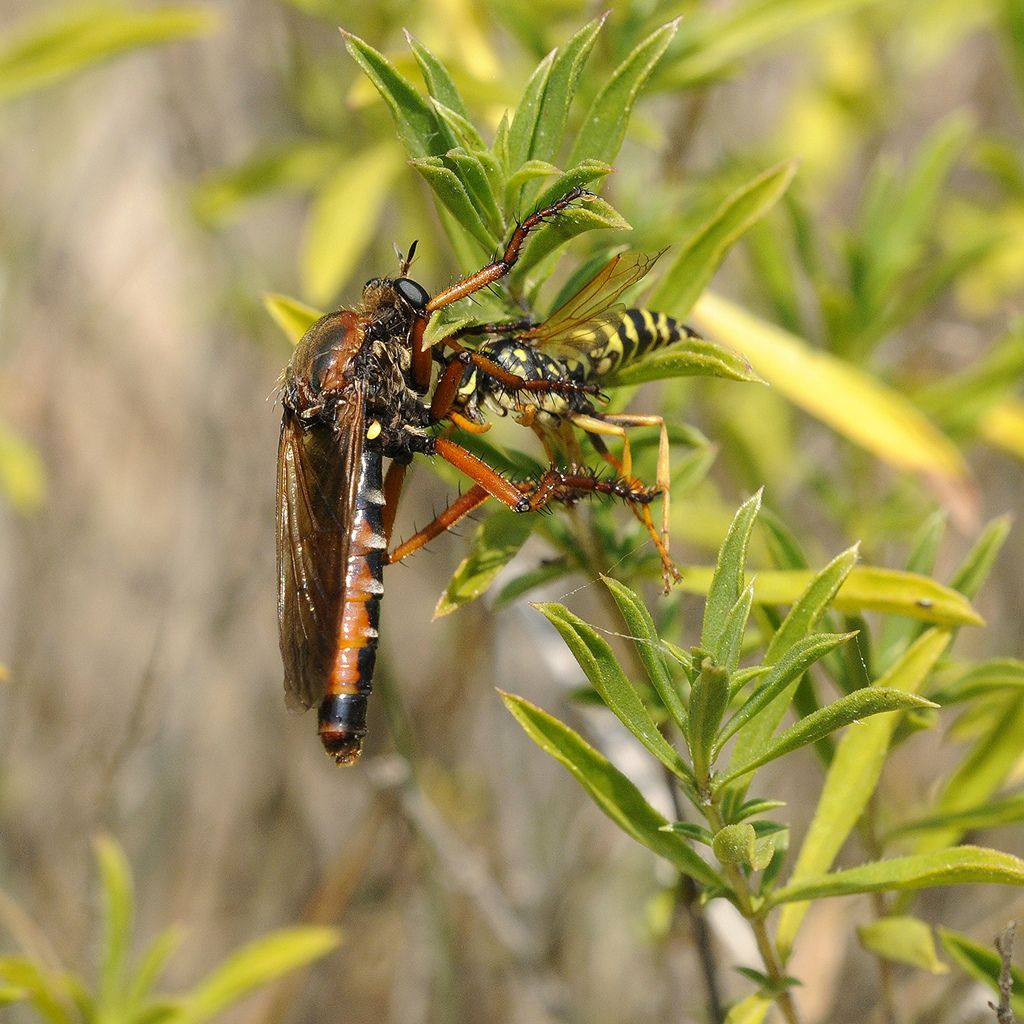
[{"x": 413, "y": 293}]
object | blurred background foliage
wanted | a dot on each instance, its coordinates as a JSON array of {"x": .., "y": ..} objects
[{"x": 232, "y": 150}]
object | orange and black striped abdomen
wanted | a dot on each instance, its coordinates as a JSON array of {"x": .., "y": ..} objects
[{"x": 342, "y": 714}]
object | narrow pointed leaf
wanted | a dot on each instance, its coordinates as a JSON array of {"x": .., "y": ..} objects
[
  {"x": 343, "y": 221},
  {"x": 853, "y": 776},
  {"x": 858, "y": 406},
  {"x": 975, "y": 568},
  {"x": 524, "y": 120},
  {"x": 41, "y": 52},
  {"x": 752, "y": 1010},
  {"x": 645, "y": 639},
  {"x": 989, "y": 677},
  {"x": 692, "y": 357},
  {"x": 43, "y": 991},
  {"x": 439, "y": 81},
  {"x": 560, "y": 90},
  {"x": 990, "y": 814},
  {"x": 984, "y": 964},
  {"x": 255, "y": 965},
  {"x": 597, "y": 660},
  {"x": 796, "y": 661},
  {"x": 422, "y": 132},
  {"x": 851, "y": 708},
  {"x": 604, "y": 127},
  {"x": 292, "y": 316},
  {"x": 730, "y": 642},
  {"x": 609, "y": 789},
  {"x": 118, "y": 919},
  {"x": 22, "y": 472},
  {"x": 903, "y": 940},
  {"x": 963, "y": 865},
  {"x": 699, "y": 258},
  {"x": 450, "y": 190},
  {"x": 727, "y": 583},
  {"x": 709, "y": 697},
  {"x": 495, "y": 543},
  {"x": 867, "y": 588}
]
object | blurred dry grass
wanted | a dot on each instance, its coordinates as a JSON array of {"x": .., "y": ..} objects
[{"x": 139, "y": 621}]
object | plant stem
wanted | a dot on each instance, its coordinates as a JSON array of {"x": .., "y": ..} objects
[{"x": 745, "y": 903}]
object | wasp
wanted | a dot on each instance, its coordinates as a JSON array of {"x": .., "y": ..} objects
[
  {"x": 355, "y": 393},
  {"x": 585, "y": 340}
]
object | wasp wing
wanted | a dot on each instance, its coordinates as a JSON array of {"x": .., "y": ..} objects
[
  {"x": 317, "y": 477},
  {"x": 576, "y": 326}
]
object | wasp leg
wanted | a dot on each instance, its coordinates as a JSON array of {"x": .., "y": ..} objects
[
  {"x": 421, "y": 357},
  {"x": 614, "y": 426}
]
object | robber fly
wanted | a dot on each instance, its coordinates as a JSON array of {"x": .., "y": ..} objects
[
  {"x": 354, "y": 394},
  {"x": 586, "y": 339}
]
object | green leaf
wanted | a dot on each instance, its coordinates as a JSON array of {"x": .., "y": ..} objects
[
  {"x": 990, "y": 814},
  {"x": 751, "y": 1010},
  {"x": 604, "y": 127},
  {"x": 495, "y": 543},
  {"x": 981, "y": 773},
  {"x": 727, "y": 583},
  {"x": 730, "y": 643},
  {"x": 988, "y": 677},
  {"x": 858, "y": 406},
  {"x": 597, "y": 660},
  {"x": 527, "y": 112},
  {"x": 975, "y": 568},
  {"x": 609, "y": 789},
  {"x": 874, "y": 700},
  {"x": 450, "y": 190},
  {"x": 47, "y": 50},
  {"x": 292, "y": 316},
  {"x": 788, "y": 670},
  {"x": 478, "y": 184},
  {"x": 645, "y": 639},
  {"x": 151, "y": 966},
  {"x": 903, "y": 940},
  {"x": 422, "y": 132},
  {"x": 254, "y": 965},
  {"x": 560, "y": 90},
  {"x": 709, "y": 697},
  {"x": 439, "y": 81},
  {"x": 866, "y": 588},
  {"x": 344, "y": 220},
  {"x": 983, "y": 964},
  {"x": 118, "y": 919},
  {"x": 691, "y": 357},
  {"x": 963, "y": 865},
  {"x": 22, "y": 473},
  {"x": 703, "y": 253},
  {"x": 295, "y": 166},
  {"x": 44, "y": 990},
  {"x": 853, "y": 776},
  {"x": 546, "y": 572},
  {"x": 697, "y": 833}
]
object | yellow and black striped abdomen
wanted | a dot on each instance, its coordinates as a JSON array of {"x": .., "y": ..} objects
[{"x": 639, "y": 332}]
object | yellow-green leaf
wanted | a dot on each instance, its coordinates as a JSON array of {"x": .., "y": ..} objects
[
  {"x": 904, "y": 940},
  {"x": 292, "y": 316},
  {"x": 47, "y": 50},
  {"x": 866, "y": 588},
  {"x": 494, "y": 545},
  {"x": 343, "y": 220},
  {"x": 1003, "y": 426},
  {"x": 22, "y": 474},
  {"x": 963, "y": 865},
  {"x": 254, "y": 965},
  {"x": 856, "y": 405}
]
